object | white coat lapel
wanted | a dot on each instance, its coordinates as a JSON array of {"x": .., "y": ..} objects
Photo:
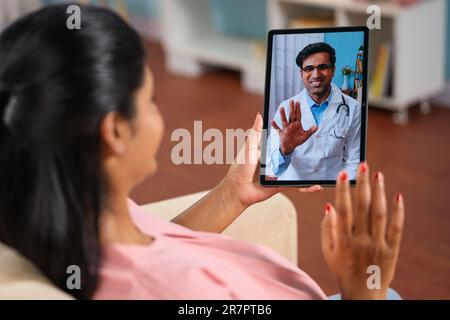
[{"x": 307, "y": 117}]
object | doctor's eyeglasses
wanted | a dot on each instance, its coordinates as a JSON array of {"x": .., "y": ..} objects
[{"x": 320, "y": 67}]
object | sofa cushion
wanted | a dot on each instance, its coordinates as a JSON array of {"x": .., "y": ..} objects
[{"x": 20, "y": 279}]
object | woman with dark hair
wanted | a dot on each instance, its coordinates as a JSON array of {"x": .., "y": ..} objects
[{"x": 79, "y": 129}]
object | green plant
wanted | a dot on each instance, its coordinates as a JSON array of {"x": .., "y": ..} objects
[{"x": 347, "y": 70}]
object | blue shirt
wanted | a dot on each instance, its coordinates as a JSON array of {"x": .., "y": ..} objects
[
  {"x": 281, "y": 162},
  {"x": 316, "y": 109}
]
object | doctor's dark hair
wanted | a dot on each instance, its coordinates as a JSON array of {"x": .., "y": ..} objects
[
  {"x": 316, "y": 48},
  {"x": 56, "y": 86}
]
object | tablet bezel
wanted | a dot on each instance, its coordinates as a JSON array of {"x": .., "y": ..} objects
[{"x": 364, "y": 103}]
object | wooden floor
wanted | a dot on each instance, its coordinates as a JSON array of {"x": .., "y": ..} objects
[{"x": 415, "y": 159}]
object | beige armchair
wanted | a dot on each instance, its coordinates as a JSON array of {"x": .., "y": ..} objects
[{"x": 272, "y": 223}]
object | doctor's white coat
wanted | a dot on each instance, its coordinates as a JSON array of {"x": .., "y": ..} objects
[{"x": 323, "y": 155}]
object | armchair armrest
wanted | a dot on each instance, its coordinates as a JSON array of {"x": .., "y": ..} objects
[
  {"x": 272, "y": 223},
  {"x": 20, "y": 279}
]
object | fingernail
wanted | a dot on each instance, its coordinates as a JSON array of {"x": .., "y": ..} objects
[
  {"x": 378, "y": 176},
  {"x": 327, "y": 209},
  {"x": 343, "y": 176},
  {"x": 399, "y": 196},
  {"x": 363, "y": 167}
]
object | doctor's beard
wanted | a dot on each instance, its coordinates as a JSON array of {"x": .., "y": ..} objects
[{"x": 318, "y": 87}]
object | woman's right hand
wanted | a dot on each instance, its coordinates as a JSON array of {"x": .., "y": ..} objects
[{"x": 354, "y": 239}]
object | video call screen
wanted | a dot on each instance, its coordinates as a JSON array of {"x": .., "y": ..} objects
[{"x": 315, "y": 117}]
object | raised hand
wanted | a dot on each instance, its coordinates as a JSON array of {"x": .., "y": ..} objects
[
  {"x": 356, "y": 238},
  {"x": 292, "y": 135}
]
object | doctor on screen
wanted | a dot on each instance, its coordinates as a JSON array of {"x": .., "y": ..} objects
[{"x": 316, "y": 133}]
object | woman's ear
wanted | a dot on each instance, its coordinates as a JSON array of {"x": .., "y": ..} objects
[{"x": 115, "y": 133}]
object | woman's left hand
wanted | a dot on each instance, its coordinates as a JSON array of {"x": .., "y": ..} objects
[{"x": 243, "y": 175}]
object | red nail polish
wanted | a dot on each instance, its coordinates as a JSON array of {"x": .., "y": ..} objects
[
  {"x": 327, "y": 209},
  {"x": 343, "y": 176},
  {"x": 363, "y": 167},
  {"x": 378, "y": 175},
  {"x": 399, "y": 196}
]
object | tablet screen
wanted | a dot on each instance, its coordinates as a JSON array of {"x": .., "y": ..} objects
[{"x": 315, "y": 115}]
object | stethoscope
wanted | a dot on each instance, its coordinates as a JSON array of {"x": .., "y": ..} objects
[{"x": 341, "y": 119}]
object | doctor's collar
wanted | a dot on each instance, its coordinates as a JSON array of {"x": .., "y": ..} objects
[{"x": 311, "y": 101}]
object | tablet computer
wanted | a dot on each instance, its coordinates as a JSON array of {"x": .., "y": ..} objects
[{"x": 315, "y": 108}]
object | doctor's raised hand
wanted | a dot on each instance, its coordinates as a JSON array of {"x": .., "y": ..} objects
[{"x": 292, "y": 134}]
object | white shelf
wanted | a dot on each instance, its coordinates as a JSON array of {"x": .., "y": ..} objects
[
  {"x": 387, "y": 8},
  {"x": 191, "y": 43},
  {"x": 383, "y": 101},
  {"x": 220, "y": 49},
  {"x": 416, "y": 34}
]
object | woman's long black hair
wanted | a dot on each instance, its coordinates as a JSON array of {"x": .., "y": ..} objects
[{"x": 56, "y": 86}]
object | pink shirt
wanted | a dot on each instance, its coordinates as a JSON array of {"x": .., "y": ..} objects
[{"x": 185, "y": 264}]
